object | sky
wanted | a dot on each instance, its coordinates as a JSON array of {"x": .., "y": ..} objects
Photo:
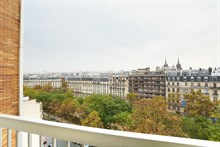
[{"x": 104, "y": 35}]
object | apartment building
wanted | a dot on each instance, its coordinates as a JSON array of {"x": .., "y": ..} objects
[
  {"x": 183, "y": 81},
  {"x": 118, "y": 85},
  {"x": 146, "y": 83},
  {"x": 9, "y": 60},
  {"x": 56, "y": 83},
  {"x": 87, "y": 86},
  {"x": 115, "y": 85}
]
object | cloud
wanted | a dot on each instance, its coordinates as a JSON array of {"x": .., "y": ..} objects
[{"x": 112, "y": 36}]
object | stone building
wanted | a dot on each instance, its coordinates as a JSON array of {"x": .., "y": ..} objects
[
  {"x": 115, "y": 85},
  {"x": 56, "y": 83},
  {"x": 119, "y": 85},
  {"x": 87, "y": 86},
  {"x": 183, "y": 81}
]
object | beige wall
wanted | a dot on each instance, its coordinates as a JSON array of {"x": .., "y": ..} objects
[{"x": 185, "y": 87}]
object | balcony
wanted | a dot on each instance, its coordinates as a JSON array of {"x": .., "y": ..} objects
[{"x": 88, "y": 135}]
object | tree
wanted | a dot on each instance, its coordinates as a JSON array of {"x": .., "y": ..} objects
[
  {"x": 131, "y": 98},
  {"x": 174, "y": 101},
  {"x": 107, "y": 106},
  {"x": 197, "y": 127},
  {"x": 69, "y": 110},
  {"x": 37, "y": 87},
  {"x": 48, "y": 87},
  {"x": 93, "y": 120},
  {"x": 215, "y": 131},
  {"x": 53, "y": 107},
  {"x": 198, "y": 104},
  {"x": 216, "y": 113},
  {"x": 30, "y": 92},
  {"x": 122, "y": 121},
  {"x": 151, "y": 116}
]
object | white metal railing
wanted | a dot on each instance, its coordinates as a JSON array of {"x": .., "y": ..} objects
[{"x": 92, "y": 136}]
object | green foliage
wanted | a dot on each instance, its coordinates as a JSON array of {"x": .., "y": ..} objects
[
  {"x": 107, "y": 107},
  {"x": 30, "y": 92},
  {"x": 215, "y": 131},
  {"x": 174, "y": 101},
  {"x": 122, "y": 121},
  {"x": 197, "y": 127},
  {"x": 69, "y": 110},
  {"x": 216, "y": 113},
  {"x": 133, "y": 114},
  {"x": 93, "y": 120},
  {"x": 131, "y": 98},
  {"x": 80, "y": 100},
  {"x": 198, "y": 104},
  {"x": 151, "y": 116}
]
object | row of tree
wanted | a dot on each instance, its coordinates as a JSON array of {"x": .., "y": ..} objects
[{"x": 150, "y": 116}]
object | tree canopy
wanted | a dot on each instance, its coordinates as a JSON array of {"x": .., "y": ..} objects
[{"x": 151, "y": 115}]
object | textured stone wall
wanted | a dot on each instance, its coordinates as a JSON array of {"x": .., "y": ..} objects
[{"x": 9, "y": 59}]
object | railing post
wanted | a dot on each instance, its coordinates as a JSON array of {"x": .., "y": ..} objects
[
  {"x": 54, "y": 140},
  {"x": 41, "y": 141},
  {"x": 9, "y": 137},
  {"x": 18, "y": 139},
  {"x": 29, "y": 140},
  {"x": 68, "y": 144}
]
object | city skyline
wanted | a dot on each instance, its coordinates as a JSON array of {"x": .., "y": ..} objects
[{"x": 68, "y": 36}]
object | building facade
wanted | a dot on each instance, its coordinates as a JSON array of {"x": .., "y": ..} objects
[
  {"x": 117, "y": 85},
  {"x": 146, "y": 83},
  {"x": 88, "y": 86},
  {"x": 9, "y": 59},
  {"x": 183, "y": 81},
  {"x": 56, "y": 83}
]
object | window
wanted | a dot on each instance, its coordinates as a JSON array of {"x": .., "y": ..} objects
[
  {"x": 206, "y": 84},
  {"x": 184, "y": 78},
  {"x": 178, "y": 78},
  {"x": 214, "y": 85},
  {"x": 199, "y": 84},
  {"x": 205, "y": 78},
  {"x": 192, "y": 78},
  {"x": 214, "y": 78},
  {"x": 185, "y": 83}
]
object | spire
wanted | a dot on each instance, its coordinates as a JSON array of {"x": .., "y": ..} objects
[
  {"x": 178, "y": 65},
  {"x": 165, "y": 64}
]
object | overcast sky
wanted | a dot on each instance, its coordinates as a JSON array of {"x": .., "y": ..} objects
[{"x": 70, "y": 35}]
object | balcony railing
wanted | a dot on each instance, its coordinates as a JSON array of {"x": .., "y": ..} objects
[{"x": 91, "y": 136}]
